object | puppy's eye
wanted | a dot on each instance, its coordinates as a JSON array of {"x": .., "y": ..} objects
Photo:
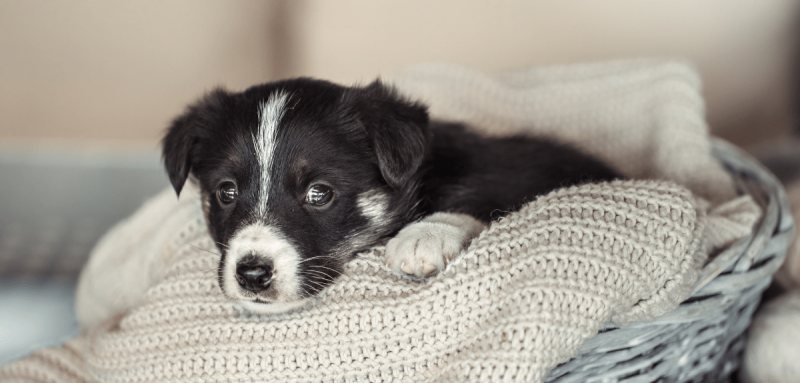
[
  {"x": 319, "y": 195},
  {"x": 227, "y": 193}
]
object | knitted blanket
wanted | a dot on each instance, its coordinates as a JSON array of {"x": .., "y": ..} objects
[
  {"x": 646, "y": 118},
  {"x": 522, "y": 299}
]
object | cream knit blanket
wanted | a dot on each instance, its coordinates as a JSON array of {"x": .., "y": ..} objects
[
  {"x": 646, "y": 118},
  {"x": 522, "y": 298}
]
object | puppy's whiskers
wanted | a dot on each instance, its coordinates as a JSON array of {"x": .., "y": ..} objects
[
  {"x": 325, "y": 267},
  {"x": 314, "y": 282},
  {"x": 317, "y": 257},
  {"x": 211, "y": 270},
  {"x": 202, "y": 249},
  {"x": 319, "y": 274}
]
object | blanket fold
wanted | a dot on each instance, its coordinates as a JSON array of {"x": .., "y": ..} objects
[
  {"x": 522, "y": 299},
  {"x": 645, "y": 118}
]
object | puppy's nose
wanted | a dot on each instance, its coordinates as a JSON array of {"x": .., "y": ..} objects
[{"x": 254, "y": 275}]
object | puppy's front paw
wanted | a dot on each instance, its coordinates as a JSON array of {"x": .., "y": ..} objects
[{"x": 423, "y": 248}]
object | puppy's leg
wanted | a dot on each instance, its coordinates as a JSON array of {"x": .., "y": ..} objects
[{"x": 426, "y": 246}]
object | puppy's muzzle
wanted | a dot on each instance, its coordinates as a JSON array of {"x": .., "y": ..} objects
[{"x": 254, "y": 273}]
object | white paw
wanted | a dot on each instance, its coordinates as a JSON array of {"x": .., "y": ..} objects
[{"x": 424, "y": 248}]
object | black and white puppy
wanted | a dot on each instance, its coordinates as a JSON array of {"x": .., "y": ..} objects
[{"x": 297, "y": 176}]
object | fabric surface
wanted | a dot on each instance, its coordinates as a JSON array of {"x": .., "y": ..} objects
[
  {"x": 646, "y": 118},
  {"x": 522, "y": 299}
]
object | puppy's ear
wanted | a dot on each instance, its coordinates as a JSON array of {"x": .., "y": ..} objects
[
  {"x": 398, "y": 129},
  {"x": 184, "y": 133}
]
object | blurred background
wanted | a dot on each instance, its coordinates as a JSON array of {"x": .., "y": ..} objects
[{"x": 87, "y": 88}]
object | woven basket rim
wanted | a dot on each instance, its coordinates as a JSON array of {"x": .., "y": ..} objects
[{"x": 733, "y": 279}]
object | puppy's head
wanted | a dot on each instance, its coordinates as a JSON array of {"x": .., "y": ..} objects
[{"x": 296, "y": 177}]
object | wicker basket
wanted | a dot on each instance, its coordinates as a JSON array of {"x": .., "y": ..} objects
[{"x": 703, "y": 340}]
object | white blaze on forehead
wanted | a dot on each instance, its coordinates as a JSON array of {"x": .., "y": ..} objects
[
  {"x": 269, "y": 116},
  {"x": 264, "y": 242}
]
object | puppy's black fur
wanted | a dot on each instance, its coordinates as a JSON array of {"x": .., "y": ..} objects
[
  {"x": 384, "y": 162},
  {"x": 489, "y": 177}
]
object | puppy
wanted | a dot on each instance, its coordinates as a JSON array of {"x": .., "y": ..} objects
[{"x": 298, "y": 176}]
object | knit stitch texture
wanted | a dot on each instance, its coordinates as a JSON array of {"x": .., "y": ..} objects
[
  {"x": 522, "y": 299},
  {"x": 646, "y": 118}
]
